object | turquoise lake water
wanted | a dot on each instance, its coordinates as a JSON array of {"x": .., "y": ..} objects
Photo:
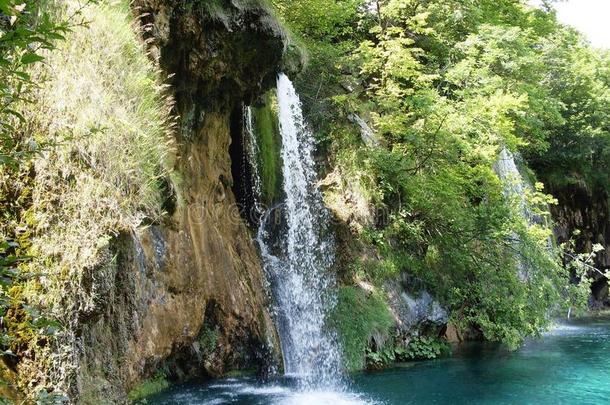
[{"x": 568, "y": 365}]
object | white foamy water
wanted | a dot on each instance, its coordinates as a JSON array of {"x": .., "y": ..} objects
[
  {"x": 273, "y": 394},
  {"x": 323, "y": 398},
  {"x": 233, "y": 386},
  {"x": 264, "y": 390}
]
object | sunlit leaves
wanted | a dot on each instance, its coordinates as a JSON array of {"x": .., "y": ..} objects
[{"x": 22, "y": 41}]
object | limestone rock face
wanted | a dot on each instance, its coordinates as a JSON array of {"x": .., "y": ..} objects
[
  {"x": 415, "y": 311},
  {"x": 221, "y": 52},
  {"x": 189, "y": 294}
]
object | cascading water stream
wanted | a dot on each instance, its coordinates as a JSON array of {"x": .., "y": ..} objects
[
  {"x": 514, "y": 184},
  {"x": 252, "y": 153},
  {"x": 514, "y": 189},
  {"x": 297, "y": 255}
]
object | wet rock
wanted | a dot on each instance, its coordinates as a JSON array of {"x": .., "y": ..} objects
[
  {"x": 452, "y": 334},
  {"x": 422, "y": 309}
]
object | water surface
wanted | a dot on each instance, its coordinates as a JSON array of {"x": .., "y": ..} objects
[{"x": 569, "y": 365}]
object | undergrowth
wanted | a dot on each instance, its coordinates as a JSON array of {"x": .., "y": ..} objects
[{"x": 358, "y": 317}]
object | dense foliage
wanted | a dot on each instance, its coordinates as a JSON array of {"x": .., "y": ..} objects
[
  {"x": 25, "y": 32},
  {"x": 359, "y": 317},
  {"x": 445, "y": 87}
]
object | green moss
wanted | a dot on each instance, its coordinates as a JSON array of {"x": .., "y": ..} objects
[
  {"x": 208, "y": 340},
  {"x": 266, "y": 127},
  {"x": 148, "y": 387},
  {"x": 357, "y": 317}
]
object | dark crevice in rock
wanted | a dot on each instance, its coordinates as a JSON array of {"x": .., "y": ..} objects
[
  {"x": 243, "y": 177},
  {"x": 599, "y": 294},
  {"x": 215, "y": 64},
  {"x": 170, "y": 200}
]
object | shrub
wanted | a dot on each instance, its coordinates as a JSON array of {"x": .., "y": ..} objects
[{"x": 423, "y": 348}]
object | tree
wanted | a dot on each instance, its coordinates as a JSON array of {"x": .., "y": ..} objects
[{"x": 447, "y": 85}]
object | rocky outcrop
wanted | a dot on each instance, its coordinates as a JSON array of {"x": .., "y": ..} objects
[
  {"x": 586, "y": 211},
  {"x": 414, "y": 312},
  {"x": 188, "y": 294},
  {"x": 221, "y": 52}
]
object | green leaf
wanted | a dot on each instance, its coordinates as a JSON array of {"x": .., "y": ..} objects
[
  {"x": 5, "y": 6},
  {"x": 17, "y": 114},
  {"x": 22, "y": 75},
  {"x": 31, "y": 57}
]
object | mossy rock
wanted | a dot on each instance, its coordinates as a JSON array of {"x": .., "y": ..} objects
[
  {"x": 8, "y": 390},
  {"x": 148, "y": 387},
  {"x": 267, "y": 132}
]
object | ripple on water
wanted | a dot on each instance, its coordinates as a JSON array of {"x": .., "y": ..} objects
[
  {"x": 282, "y": 395},
  {"x": 215, "y": 401},
  {"x": 220, "y": 386},
  {"x": 565, "y": 329}
]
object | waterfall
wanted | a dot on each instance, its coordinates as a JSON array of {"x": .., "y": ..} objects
[
  {"x": 252, "y": 153},
  {"x": 515, "y": 191},
  {"x": 514, "y": 185},
  {"x": 366, "y": 133},
  {"x": 297, "y": 254}
]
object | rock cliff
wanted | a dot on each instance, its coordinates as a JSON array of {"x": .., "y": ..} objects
[{"x": 188, "y": 295}]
